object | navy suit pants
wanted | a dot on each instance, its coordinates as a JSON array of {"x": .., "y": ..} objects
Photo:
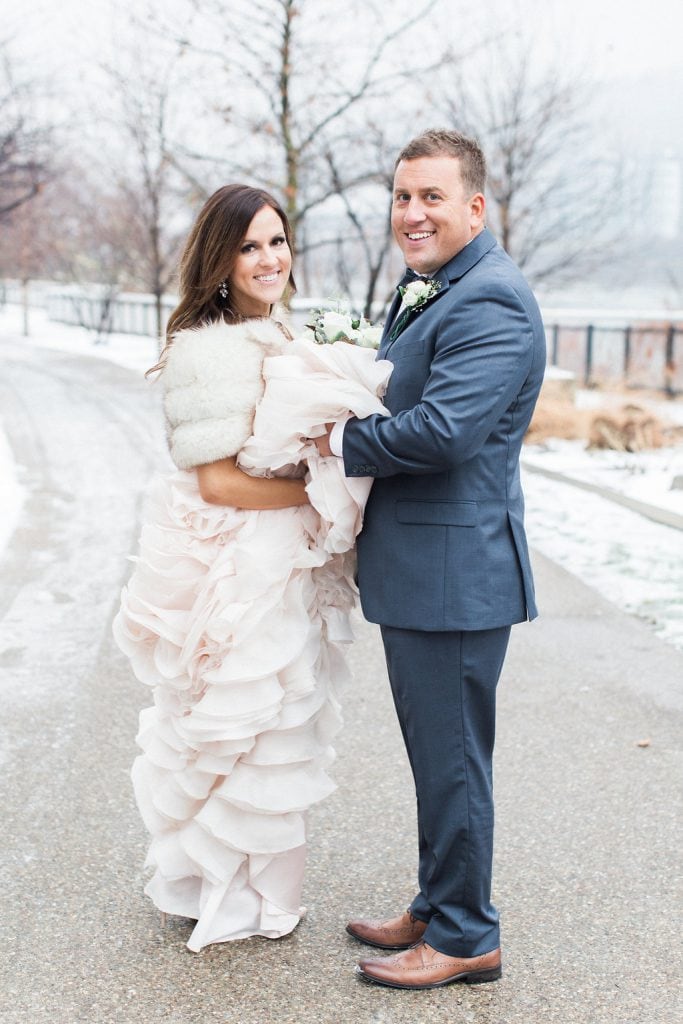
[{"x": 444, "y": 688}]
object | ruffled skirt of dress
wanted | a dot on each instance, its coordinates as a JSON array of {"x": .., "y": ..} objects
[{"x": 236, "y": 620}]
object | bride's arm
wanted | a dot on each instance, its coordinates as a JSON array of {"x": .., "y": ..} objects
[{"x": 223, "y": 483}]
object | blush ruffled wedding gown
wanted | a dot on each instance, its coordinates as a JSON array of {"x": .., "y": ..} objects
[{"x": 236, "y": 620}]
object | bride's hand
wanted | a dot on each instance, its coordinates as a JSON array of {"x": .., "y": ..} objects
[{"x": 322, "y": 443}]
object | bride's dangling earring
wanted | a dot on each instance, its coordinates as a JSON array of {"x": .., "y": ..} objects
[{"x": 223, "y": 289}]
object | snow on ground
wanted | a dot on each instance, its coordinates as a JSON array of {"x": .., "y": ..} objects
[
  {"x": 645, "y": 476},
  {"x": 635, "y": 563},
  {"x": 135, "y": 351},
  {"x": 632, "y": 561},
  {"x": 11, "y": 489}
]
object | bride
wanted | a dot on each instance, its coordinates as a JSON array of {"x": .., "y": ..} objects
[{"x": 235, "y": 614}]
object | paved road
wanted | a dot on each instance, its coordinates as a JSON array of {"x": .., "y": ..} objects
[{"x": 588, "y": 864}]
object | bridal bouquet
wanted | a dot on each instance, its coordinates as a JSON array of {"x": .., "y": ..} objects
[
  {"x": 310, "y": 383},
  {"x": 330, "y": 325}
]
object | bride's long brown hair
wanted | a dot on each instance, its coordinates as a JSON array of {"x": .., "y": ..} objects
[{"x": 209, "y": 257}]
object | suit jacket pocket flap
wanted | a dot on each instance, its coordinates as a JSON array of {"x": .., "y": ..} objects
[{"x": 437, "y": 513}]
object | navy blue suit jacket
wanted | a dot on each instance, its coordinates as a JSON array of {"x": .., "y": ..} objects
[{"x": 443, "y": 544}]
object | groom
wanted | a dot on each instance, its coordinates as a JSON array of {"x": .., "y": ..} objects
[{"x": 443, "y": 565}]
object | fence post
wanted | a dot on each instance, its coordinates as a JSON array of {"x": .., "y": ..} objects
[
  {"x": 627, "y": 353},
  {"x": 556, "y": 343},
  {"x": 669, "y": 365},
  {"x": 589, "y": 355}
]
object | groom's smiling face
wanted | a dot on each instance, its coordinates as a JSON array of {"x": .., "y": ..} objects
[{"x": 432, "y": 216}]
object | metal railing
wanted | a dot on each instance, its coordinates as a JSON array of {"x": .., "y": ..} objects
[
  {"x": 131, "y": 312},
  {"x": 639, "y": 352},
  {"x": 638, "y": 349}
]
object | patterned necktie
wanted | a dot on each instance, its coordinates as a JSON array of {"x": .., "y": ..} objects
[
  {"x": 402, "y": 313},
  {"x": 410, "y": 275}
]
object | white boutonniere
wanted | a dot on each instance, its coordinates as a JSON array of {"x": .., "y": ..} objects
[
  {"x": 418, "y": 293},
  {"x": 331, "y": 325},
  {"x": 415, "y": 296}
]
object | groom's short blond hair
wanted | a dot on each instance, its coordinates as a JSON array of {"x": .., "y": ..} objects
[{"x": 444, "y": 142}]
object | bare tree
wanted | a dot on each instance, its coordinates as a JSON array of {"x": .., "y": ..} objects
[
  {"x": 75, "y": 233},
  {"x": 296, "y": 112},
  {"x": 288, "y": 102},
  {"x": 553, "y": 198},
  {"x": 369, "y": 219},
  {"x": 94, "y": 258},
  {"x": 25, "y": 144},
  {"x": 19, "y": 254},
  {"x": 114, "y": 216},
  {"x": 148, "y": 188}
]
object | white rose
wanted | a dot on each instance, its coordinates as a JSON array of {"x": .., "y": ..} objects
[
  {"x": 414, "y": 292},
  {"x": 336, "y": 325},
  {"x": 369, "y": 337}
]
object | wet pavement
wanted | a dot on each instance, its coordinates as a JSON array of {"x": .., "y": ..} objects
[{"x": 588, "y": 779}]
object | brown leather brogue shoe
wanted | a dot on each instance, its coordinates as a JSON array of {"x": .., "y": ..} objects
[
  {"x": 396, "y": 933},
  {"x": 424, "y": 967}
]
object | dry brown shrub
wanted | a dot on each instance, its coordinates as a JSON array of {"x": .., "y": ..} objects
[
  {"x": 557, "y": 417},
  {"x": 629, "y": 429},
  {"x": 620, "y": 424}
]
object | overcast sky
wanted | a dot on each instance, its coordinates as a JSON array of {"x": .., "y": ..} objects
[
  {"x": 619, "y": 39},
  {"x": 631, "y": 52},
  {"x": 616, "y": 38}
]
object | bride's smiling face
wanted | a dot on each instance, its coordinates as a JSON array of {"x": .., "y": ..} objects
[{"x": 262, "y": 267}]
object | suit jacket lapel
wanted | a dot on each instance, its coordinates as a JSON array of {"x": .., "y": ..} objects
[
  {"x": 388, "y": 325},
  {"x": 450, "y": 272},
  {"x": 465, "y": 259}
]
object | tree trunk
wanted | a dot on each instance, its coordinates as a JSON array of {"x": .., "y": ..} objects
[
  {"x": 158, "y": 305},
  {"x": 25, "y": 305},
  {"x": 292, "y": 155}
]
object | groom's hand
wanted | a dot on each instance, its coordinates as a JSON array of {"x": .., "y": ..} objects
[{"x": 322, "y": 443}]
